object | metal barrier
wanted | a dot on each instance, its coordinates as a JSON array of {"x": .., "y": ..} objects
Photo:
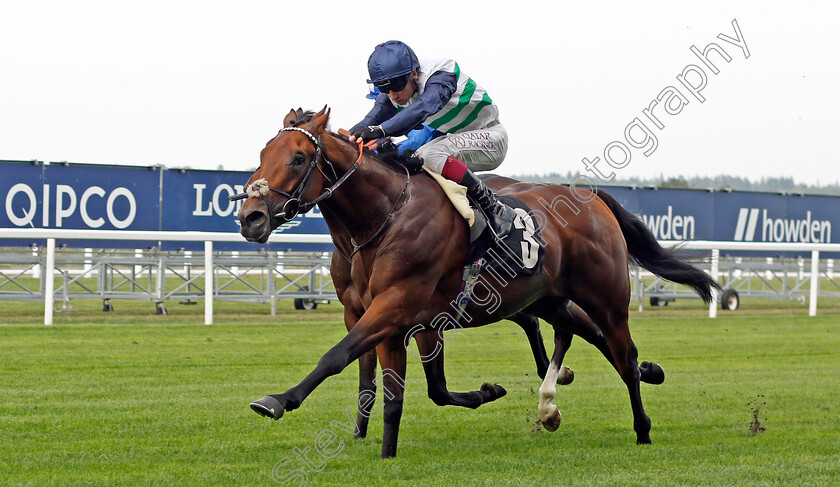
[
  {"x": 303, "y": 277},
  {"x": 148, "y": 275},
  {"x": 716, "y": 247},
  {"x": 315, "y": 290},
  {"x": 778, "y": 278}
]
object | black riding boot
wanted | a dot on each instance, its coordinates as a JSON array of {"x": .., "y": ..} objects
[{"x": 501, "y": 215}]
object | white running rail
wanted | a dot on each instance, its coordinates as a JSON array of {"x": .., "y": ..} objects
[{"x": 209, "y": 237}]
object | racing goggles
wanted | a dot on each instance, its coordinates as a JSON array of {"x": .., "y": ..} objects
[{"x": 393, "y": 84}]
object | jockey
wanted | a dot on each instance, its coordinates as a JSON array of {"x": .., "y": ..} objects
[{"x": 463, "y": 132}]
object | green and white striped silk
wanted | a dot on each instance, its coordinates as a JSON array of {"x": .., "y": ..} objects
[{"x": 469, "y": 108}]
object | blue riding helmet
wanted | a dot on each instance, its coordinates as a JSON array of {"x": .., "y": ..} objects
[{"x": 391, "y": 59}]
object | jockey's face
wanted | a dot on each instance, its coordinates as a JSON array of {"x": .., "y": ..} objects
[{"x": 401, "y": 97}]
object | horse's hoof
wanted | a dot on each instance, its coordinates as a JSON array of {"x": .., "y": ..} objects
[
  {"x": 643, "y": 441},
  {"x": 268, "y": 407},
  {"x": 494, "y": 390},
  {"x": 566, "y": 376},
  {"x": 651, "y": 373},
  {"x": 553, "y": 421},
  {"x": 361, "y": 432}
]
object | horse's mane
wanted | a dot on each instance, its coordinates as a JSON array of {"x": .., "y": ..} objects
[{"x": 392, "y": 159}]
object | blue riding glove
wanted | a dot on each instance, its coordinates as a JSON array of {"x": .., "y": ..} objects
[{"x": 417, "y": 138}]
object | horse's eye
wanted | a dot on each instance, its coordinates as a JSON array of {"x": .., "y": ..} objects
[{"x": 298, "y": 160}]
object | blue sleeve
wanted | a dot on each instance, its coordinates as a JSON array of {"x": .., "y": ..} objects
[
  {"x": 382, "y": 110},
  {"x": 438, "y": 91}
]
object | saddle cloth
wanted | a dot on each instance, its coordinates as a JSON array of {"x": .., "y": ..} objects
[{"x": 520, "y": 253}]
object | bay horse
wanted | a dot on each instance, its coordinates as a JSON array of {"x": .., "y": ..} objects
[
  {"x": 340, "y": 271},
  {"x": 407, "y": 249}
]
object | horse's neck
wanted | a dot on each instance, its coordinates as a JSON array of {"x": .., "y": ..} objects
[
  {"x": 340, "y": 234},
  {"x": 359, "y": 206}
]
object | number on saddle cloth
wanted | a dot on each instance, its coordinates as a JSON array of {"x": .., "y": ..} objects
[{"x": 520, "y": 253}]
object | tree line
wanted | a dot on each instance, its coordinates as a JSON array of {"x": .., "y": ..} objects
[{"x": 718, "y": 183}]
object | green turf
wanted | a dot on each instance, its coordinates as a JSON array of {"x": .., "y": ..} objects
[{"x": 131, "y": 398}]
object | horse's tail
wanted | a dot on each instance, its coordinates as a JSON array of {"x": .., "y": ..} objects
[{"x": 646, "y": 252}]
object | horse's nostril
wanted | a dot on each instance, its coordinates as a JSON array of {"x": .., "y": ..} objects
[{"x": 255, "y": 218}]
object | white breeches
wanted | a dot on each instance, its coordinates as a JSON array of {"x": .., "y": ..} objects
[{"x": 480, "y": 150}]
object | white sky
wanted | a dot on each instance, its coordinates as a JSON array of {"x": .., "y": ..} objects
[{"x": 203, "y": 84}]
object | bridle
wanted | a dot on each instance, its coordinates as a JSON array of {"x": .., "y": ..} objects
[{"x": 293, "y": 206}]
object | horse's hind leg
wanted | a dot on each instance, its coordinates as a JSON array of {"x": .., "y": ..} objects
[
  {"x": 367, "y": 392},
  {"x": 530, "y": 324},
  {"x": 572, "y": 318},
  {"x": 651, "y": 373},
  {"x": 392, "y": 357},
  {"x": 566, "y": 315},
  {"x": 430, "y": 346},
  {"x": 557, "y": 373},
  {"x": 625, "y": 355}
]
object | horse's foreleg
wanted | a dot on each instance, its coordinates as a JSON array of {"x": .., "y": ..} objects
[
  {"x": 391, "y": 354},
  {"x": 371, "y": 329},
  {"x": 430, "y": 346},
  {"x": 531, "y": 325}
]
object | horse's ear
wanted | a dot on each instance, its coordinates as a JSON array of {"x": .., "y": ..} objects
[
  {"x": 320, "y": 119},
  {"x": 291, "y": 119}
]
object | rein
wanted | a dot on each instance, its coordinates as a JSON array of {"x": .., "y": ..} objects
[
  {"x": 260, "y": 188},
  {"x": 357, "y": 248}
]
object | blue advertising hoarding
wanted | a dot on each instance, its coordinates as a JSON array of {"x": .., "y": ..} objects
[
  {"x": 82, "y": 196},
  {"x": 198, "y": 200},
  {"x": 21, "y": 185},
  {"x": 733, "y": 216},
  {"x": 671, "y": 214}
]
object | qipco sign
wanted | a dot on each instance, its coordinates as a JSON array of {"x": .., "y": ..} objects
[
  {"x": 68, "y": 204},
  {"x": 80, "y": 197}
]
